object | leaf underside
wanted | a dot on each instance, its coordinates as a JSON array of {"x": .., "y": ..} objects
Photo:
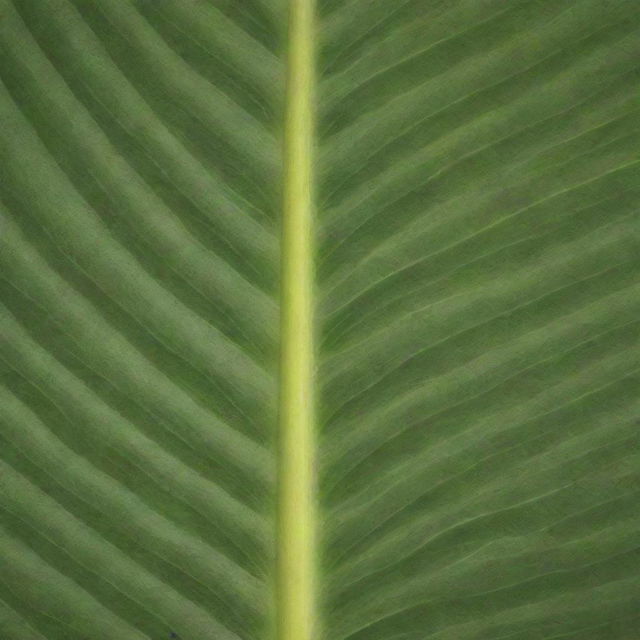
[{"x": 478, "y": 301}]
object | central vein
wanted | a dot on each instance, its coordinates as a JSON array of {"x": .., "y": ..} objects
[{"x": 296, "y": 547}]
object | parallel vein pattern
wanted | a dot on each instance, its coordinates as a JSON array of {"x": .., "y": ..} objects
[
  {"x": 139, "y": 202},
  {"x": 477, "y": 297},
  {"x": 480, "y": 293}
]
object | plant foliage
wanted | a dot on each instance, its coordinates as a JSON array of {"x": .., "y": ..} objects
[{"x": 477, "y": 302}]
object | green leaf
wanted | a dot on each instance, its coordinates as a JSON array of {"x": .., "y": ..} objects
[{"x": 339, "y": 350}]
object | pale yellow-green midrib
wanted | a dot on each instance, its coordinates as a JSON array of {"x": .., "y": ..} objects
[{"x": 296, "y": 547}]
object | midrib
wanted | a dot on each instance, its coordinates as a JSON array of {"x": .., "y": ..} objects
[{"x": 296, "y": 539}]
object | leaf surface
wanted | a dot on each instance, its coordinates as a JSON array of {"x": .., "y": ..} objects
[{"x": 476, "y": 302}]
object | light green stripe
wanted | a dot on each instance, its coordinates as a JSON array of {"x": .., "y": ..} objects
[{"x": 296, "y": 618}]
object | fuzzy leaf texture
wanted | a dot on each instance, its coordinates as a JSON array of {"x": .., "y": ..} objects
[{"x": 476, "y": 302}]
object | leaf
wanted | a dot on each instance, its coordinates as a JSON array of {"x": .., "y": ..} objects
[{"x": 471, "y": 389}]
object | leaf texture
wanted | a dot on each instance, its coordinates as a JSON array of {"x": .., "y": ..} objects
[
  {"x": 478, "y": 268},
  {"x": 477, "y": 290},
  {"x": 140, "y": 173}
]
